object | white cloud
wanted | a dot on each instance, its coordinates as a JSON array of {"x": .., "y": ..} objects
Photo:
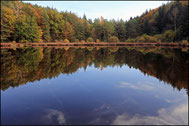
[{"x": 171, "y": 116}]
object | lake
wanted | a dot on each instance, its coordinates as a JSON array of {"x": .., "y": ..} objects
[{"x": 127, "y": 86}]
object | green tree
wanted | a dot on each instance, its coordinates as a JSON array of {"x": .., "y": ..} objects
[
  {"x": 120, "y": 30},
  {"x": 146, "y": 27},
  {"x": 26, "y": 30},
  {"x": 45, "y": 26},
  {"x": 86, "y": 27},
  {"x": 132, "y": 28}
]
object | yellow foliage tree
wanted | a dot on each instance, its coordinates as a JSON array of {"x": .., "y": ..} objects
[
  {"x": 82, "y": 41},
  {"x": 66, "y": 41},
  {"x": 68, "y": 32},
  {"x": 7, "y": 22},
  {"x": 40, "y": 34},
  {"x": 97, "y": 40},
  {"x": 102, "y": 20}
]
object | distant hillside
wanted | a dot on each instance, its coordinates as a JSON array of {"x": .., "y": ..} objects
[
  {"x": 170, "y": 19},
  {"x": 24, "y": 22}
]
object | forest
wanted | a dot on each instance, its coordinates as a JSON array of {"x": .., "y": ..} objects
[
  {"x": 26, "y": 23},
  {"x": 30, "y": 64}
]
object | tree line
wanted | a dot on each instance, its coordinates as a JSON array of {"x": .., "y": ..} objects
[{"x": 24, "y": 22}]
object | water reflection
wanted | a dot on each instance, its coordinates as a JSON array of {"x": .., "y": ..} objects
[
  {"x": 137, "y": 87},
  {"x": 166, "y": 116},
  {"x": 94, "y": 86},
  {"x": 54, "y": 117},
  {"x": 27, "y": 65}
]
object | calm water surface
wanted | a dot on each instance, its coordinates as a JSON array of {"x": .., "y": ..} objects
[{"x": 94, "y": 86}]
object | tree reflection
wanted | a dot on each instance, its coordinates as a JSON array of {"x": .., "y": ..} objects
[{"x": 29, "y": 64}]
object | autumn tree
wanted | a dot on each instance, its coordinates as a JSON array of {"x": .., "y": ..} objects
[
  {"x": 26, "y": 30},
  {"x": 8, "y": 20}
]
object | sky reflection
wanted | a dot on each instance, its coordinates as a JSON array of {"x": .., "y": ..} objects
[
  {"x": 166, "y": 116},
  {"x": 75, "y": 99}
]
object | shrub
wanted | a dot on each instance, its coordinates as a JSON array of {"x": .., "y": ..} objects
[
  {"x": 66, "y": 41},
  {"x": 90, "y": 39},
  {"x": 113, "y": 49},
  {"x": 141, "y": 39},
  {"x": 113, "y": 39},
  {"x": 40, "y": 40},
  {"x": 90, "y": 48},
  {"x": 21, "y": 45},
  {"x": 97, "y": 40},
  {"x": 66, "y": 48},
  {"x": 76, "y": 40},
  {"x": 151, "y": 39},
  {"x": 137, "y": 39},
  {"x": 185, "y": 42},
  {"x": 168, "y": 36},
  {"x": 59, "y": 41},
  {"x": 130, "y": 40},
  {"x": 158, "y": 37},
  {"x": 82, "y": 41},
  {"x": 23, "y": 41},
  {"x": 148, "y": 38}
]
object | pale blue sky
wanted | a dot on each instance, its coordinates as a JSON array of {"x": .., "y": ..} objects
[{"x": 107, "y": 9}]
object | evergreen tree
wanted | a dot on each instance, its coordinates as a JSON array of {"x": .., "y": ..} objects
[{"x": 120, "y": 30}]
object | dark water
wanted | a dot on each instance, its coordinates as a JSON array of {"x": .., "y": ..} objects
[{"x": 94, "y": 86}]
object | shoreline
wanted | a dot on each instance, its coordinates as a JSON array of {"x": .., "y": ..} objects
[{"x": 94, "y": 44}]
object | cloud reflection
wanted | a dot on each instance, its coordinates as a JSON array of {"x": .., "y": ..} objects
[
  {"x": 55, "y": 116},
  {"x": 170, "y": 116},
  {"x": 134, "y": 86}
]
